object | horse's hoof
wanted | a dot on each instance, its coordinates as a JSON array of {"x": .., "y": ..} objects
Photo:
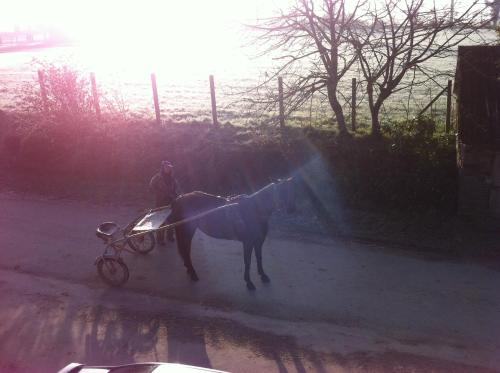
[
  {"x": 265, "y": 279},
  {"x": 193, "y": 276},
  {"x": 250, "y": 285}
]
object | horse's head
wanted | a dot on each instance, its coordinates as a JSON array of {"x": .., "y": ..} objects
[
  {"x": 277, "y": 195},
  {"x": 284, "y": 191}
]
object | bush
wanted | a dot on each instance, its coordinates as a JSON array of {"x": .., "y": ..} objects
[
  {"x": 409, "y": 167},
  {"x": 402, "y": 171},
  {"x": 68, "y": 93}
]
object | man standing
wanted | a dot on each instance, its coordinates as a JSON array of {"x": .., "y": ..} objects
[{"x": 165, "y": 189}]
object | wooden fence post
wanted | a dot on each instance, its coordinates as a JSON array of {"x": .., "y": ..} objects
[
  {"x": 353, "y": 105},
  {"x": 155, "y": 98},
  {"x": 43, "y": 90},
  {"x": 95, "y": 96},
  {"x": 448, "y": 108},
  {"x": 281, "y": 104},
  {"x": 214, "y": 104}
]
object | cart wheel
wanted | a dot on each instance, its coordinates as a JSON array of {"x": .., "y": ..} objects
[
  {"x": 113, "y": 271},
  {"x": 142, "y": 244}
]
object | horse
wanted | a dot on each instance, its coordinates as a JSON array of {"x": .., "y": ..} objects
[{"x": 245, "y": 218}]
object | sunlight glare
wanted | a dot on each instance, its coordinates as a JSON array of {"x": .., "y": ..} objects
[{"x": 143, "y": 35}]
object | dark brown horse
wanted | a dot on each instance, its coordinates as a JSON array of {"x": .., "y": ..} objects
[{"x": 247, "y": 221}]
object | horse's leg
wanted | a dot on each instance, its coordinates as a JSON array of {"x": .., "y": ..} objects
[
  {"x": 184, "y": 238},
  {"x": 258, "y": 256},
  {"x": 247, "y": 255}
]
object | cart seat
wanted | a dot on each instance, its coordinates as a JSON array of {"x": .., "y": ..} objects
[{"x": 107, "y": 230}]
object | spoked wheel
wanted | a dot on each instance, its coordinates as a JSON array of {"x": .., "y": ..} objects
[
  {"x": 142, "y": 244},
  {"x": 113, "y": 271}
]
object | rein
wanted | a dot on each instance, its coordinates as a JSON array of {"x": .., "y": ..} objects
[{"x": 175, "y": 224}]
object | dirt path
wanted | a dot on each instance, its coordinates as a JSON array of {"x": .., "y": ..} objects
[{"x": 331, "y": 304}]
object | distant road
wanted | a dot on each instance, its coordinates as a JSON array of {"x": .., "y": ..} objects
[{"x": 21, "y": 47}]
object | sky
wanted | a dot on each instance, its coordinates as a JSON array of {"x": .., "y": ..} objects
[
  {"x": 75, "y": 15},
  {"x": 78, "y": 16},
  {"x": 147, "y": 24},
  {"x": 191, "y": 27}
]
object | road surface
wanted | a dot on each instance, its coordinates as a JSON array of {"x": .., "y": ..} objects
[{"x": 331, "y": 305}]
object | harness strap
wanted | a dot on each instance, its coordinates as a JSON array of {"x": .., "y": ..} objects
[{"x": 237, "y": 222}]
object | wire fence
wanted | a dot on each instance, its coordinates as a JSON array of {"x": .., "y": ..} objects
[{"x": 216, "y": 101}]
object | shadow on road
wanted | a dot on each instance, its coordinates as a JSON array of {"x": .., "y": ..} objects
[
  {"x": 48, "y": 332},
  {"x": 51, "y": 331}
]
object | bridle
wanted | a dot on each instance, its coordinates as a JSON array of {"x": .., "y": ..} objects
[{"x": 274, "y": 203}]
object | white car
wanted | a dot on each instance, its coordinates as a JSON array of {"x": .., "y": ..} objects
[{"x": 151, "y": 367}]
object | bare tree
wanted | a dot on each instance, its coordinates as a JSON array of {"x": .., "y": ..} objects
[
  {"x": 494, "y": 6},
  {"x": 310, "y": 43},
  {"x": 398, "y": 37}
]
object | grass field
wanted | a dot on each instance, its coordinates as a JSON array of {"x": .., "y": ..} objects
[{"x": 124, "y": 82}]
